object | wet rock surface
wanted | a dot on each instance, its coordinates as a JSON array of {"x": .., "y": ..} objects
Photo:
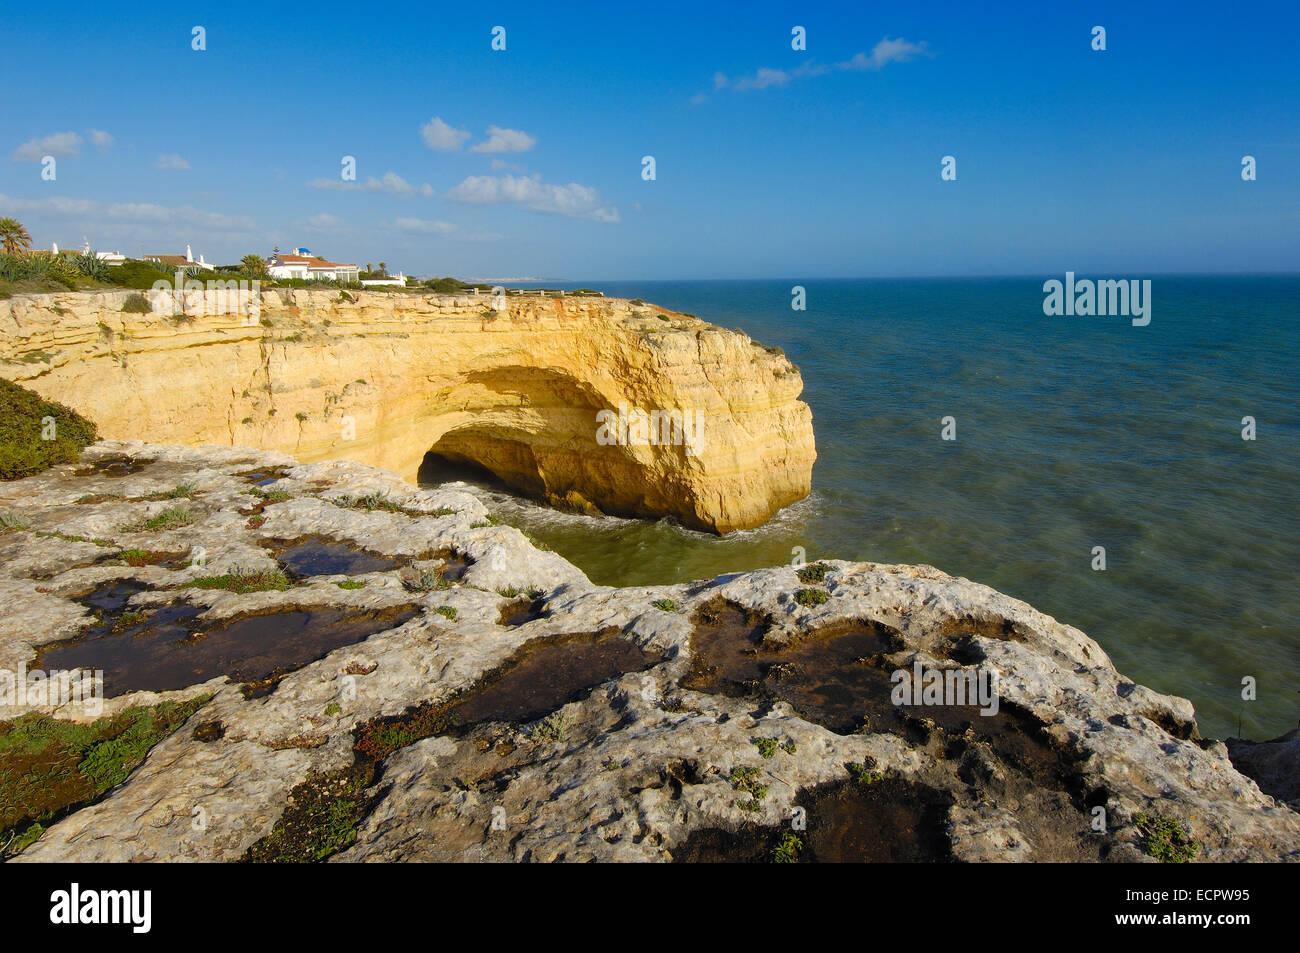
[{"x": 428, "y": 686}]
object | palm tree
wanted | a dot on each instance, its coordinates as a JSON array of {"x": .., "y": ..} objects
[
  {"x": 14, "y": 238},
  {"x": 254, "y": 264},
  {"x": 383, "y": 268}
]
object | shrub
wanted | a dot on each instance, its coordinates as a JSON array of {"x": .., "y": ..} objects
[
  {"x": 139, "y": 275},
  {"x": 23, "y": 418},
  {"x": 137, "y": 304},
  {"x": 38, "y": 267}
]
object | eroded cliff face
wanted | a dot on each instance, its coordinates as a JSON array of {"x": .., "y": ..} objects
[{"x": 384, "y": 379}]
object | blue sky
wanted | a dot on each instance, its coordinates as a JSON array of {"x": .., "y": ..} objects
[{"x": 770, "y": 162}]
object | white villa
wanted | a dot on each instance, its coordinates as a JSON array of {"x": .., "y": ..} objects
[
  {"x": 107, "y": 257},
  {"x": 301, "y": 263},
  {"x": 182, "y": 261}
]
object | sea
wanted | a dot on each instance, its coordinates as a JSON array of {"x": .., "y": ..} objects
[{"x": 1071, "y": 433}]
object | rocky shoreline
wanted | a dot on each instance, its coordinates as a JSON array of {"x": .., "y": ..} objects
[{"x": 377, "y": 672}]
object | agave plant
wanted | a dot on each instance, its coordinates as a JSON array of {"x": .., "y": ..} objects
[{"x": 91, "y": 266}]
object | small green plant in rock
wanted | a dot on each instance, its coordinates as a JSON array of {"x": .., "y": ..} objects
[
  {"x": 667, "y": 605},
  {"x": 170, "y": 518},
  {"x": 239, "y": 580},
  {"x": 136, "y": 304},
  {"x": 787, "y": 849},
  {"x": 745, "y": 780},
  {"x": 447, "y": 612},
  {"x": 814, "y": 573},
  {"x": 1166, "y": 839},
  {"x": 766, "y": 746},
  {"x": 811, "y": 597},
  {"x": 12, "y": 522},
  {"x": 864, "y": 774},
  {"x": 553, "y": 727}
]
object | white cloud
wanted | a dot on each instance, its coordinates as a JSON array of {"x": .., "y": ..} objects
[
  {"x": 56, "y": 204},
  {"x": 885, "y": 52},
  {"x": 440, "y": 137},
  {"x": 323, "y": 220},
  {"x": 763, "y": 79},
  {"x": 390, "y": 182},
  {"x": 882, "y": 54},
  {"x": 61, "y": 145},
  {"x": 530, "y": 192},
  {"x": 181, "y": 215},
  {"x": 102, "y": 140},
  {"x": 419, "y": 226},
  {"x": 505, "y": 140},
  {"x": 130, "y": 212},
  {"x": 171, "y": 161}
]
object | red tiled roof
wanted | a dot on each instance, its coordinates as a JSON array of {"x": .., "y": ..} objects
[
  {"x": 310, "y": 262},
  {"x": 170, "y": 259}
]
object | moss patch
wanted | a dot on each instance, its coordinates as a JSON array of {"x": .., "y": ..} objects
[
  {"x": 49, "y": 767},
  {"x": 320, "y": 819}
]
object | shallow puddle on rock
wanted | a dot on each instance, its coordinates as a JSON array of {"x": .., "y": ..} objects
[
  {"x": 890, "y": 821},
  {"x": 522, "y": 611},
  {"x": 264, "y": 477},
  {"x": 832, "y": 677},
  {"x": 453, "y": 565},
  {"x": 544, "y": 675},
  {"x": 112, "y": 595},
  {"x": 328, "y": 557},
  {"x": 112, "y": 467},
  {"x": 549, "y": 673},
  {"x": 169, "y": 650},
  {"x": 840, "y": 678}
]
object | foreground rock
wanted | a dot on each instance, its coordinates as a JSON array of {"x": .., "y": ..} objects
[
  {"x": 505, "y": 708},
  {"x": 385, "y": 379}
]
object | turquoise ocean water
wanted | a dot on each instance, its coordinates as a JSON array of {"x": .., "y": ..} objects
[{"x": 1072, "y": 432}]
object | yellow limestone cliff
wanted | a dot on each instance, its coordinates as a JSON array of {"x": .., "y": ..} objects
[{"x": 584, "y": 402}]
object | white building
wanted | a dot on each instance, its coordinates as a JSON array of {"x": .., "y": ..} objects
[
  {"x": 301, "y": 263},
  {"x": 397, "y": 280},
  {"x": 107, "y": 257},
  {"x": 182, "y": 261}
]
